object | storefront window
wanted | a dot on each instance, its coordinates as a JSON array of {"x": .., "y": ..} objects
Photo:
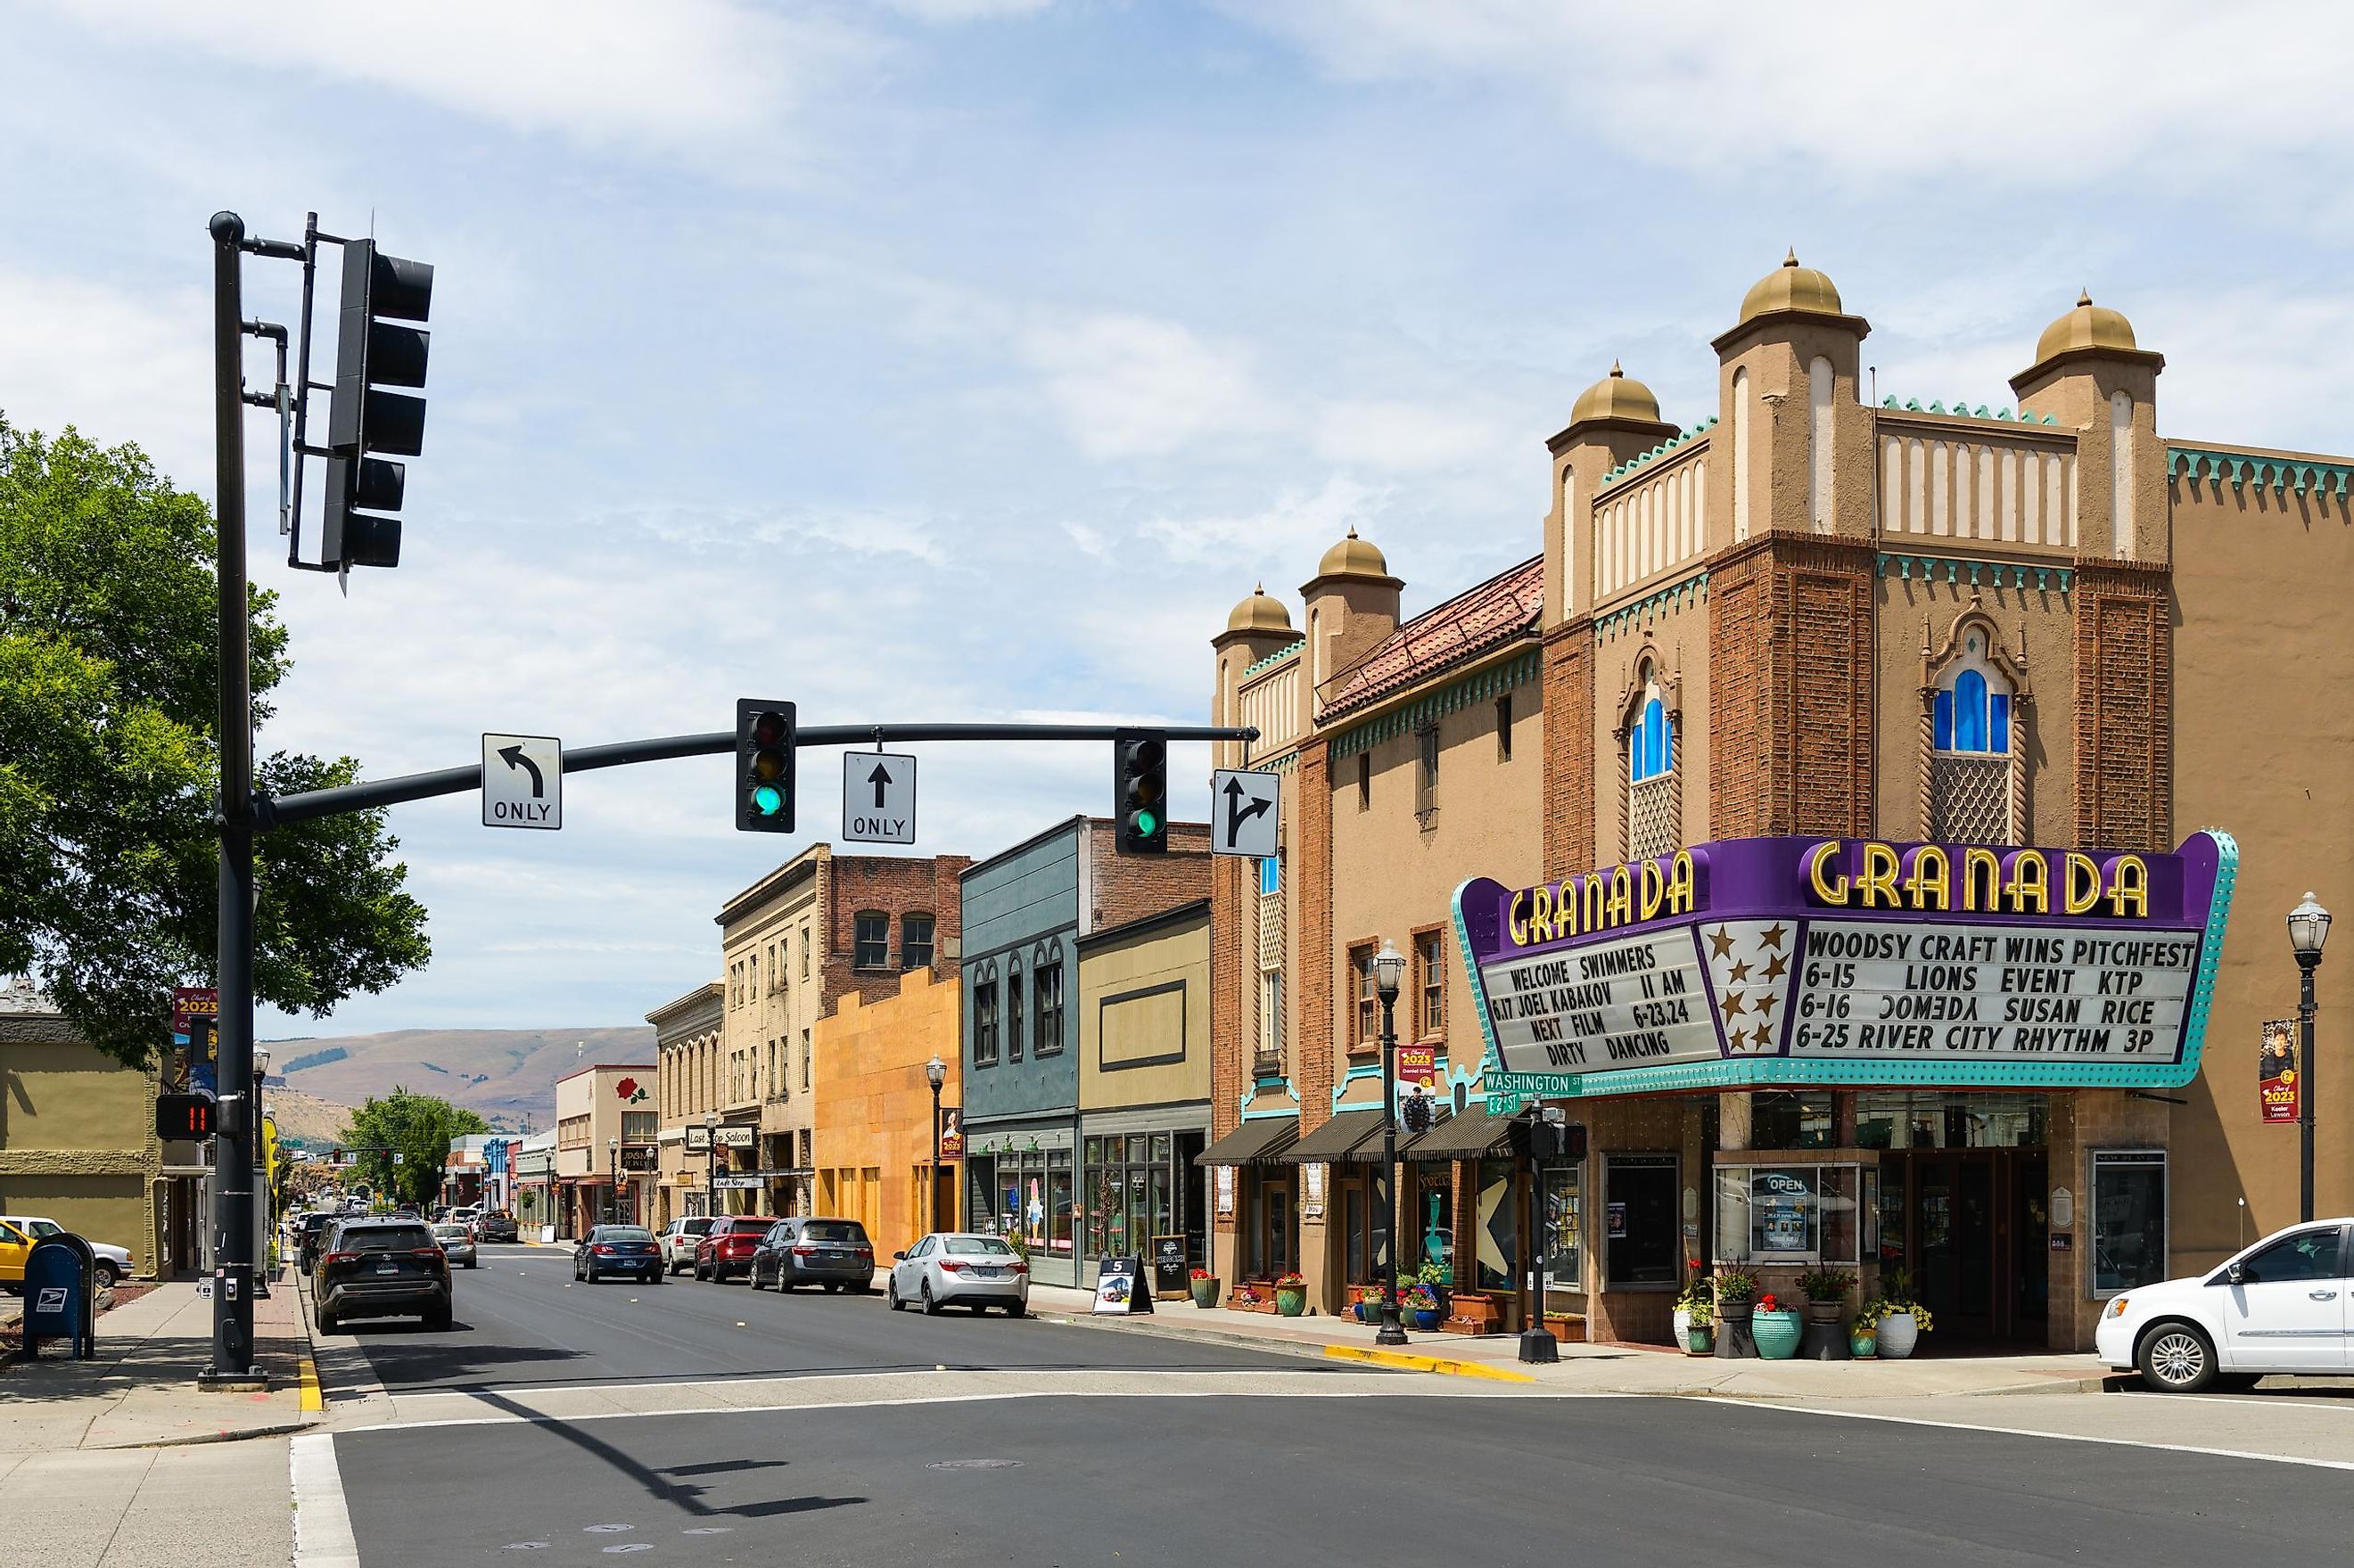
[
  {"x": 1499, "y": 1236},
  {"x": 2129, "y": 1219},
  {"x": 1794, "y": 1213},
  {"x": 1640, "y": 1230},
  {"x": 1433, "y": 1236},
  {"x": 1785, "y": 1120},
  {"x": 1129, "y": 1190},
  {"x": 1893, "y": 1119},
  {"x": 1564, "y": 1264}
]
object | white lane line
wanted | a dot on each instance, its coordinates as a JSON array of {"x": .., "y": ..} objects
[
  {"x": 322, "y": 1524},
  {"x": 2054, "y": 1436}
]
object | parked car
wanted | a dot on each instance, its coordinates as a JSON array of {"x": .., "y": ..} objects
[
  {"x": 498, "y": 1225},
  {"x": 2280, "y": 1306},
  {"x": 961, "y": 1268},
  {"x": 807, "y": 1251},
  {"x": 727, "y": 1247},
  {"x": 309, "y": 1232},
  {"x": 456, "y": 1242},
  {"x": 16, "y": 1246},
  {"x": 382, "y": 1268},
  {"x": 110, "y": 1262},
  {"x": 627, "y": 1250},
  {"x": 679, "y": 1238}
]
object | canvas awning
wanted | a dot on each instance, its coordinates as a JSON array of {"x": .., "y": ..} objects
[
  {"x": 1471, "y": 1135},
  {"x": 1253, "y": 1143},
  {"x": 1349, "y": 1138}
]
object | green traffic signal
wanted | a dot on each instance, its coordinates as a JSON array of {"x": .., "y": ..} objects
[
  {"x": 1147, "y": 824},
  {"x": 768, "y": 799}
]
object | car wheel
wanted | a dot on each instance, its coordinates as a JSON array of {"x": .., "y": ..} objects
[
  {"x": 833, "y": 1287},
  {"x": 891, "y": 1296},
  {"x": 106, "y": 1274},
  {"x": 327, "y": 1324},
  {"x": 932, "y": 1307},
  {"x": 2176, "y": 1358},
  {"x": 1017, "y": 1310},
  {"x": 440, "y": 1322},
  {"x": 470, "y": 1263},
  {"x": 655, "y": 1278}
]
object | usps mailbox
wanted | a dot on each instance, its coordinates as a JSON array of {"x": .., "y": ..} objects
[{"x": 60, "y": 1295}]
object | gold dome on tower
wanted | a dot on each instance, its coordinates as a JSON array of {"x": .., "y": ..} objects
[
  {"x": 1260, "y": 613},
  {"x": 2088, "y": 326},
  {"x": 1791, "y": 287},
  {"x": 1617, "y": 396},
  {"x": 1352, "y": 557}
]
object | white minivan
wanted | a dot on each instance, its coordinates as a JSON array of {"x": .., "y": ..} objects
[
  {"x": 678, "y": 1240},
  {"x": 2278, "y": 1307}
]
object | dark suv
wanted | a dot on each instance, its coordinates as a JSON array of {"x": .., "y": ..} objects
[
  {"x": 727, "y": 1247},
  {"x": 382, "y": 1268},
  {"x": 316, "y": 1226},
  {"x": 797, "y": 1252}
]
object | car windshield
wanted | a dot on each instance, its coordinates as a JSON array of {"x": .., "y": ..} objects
[
  {"x": 383, "y": 1238},
  {"x": 622, "y": 1233},
  {"x": 449, "y": 1232},
  {"x": 45, "y": 1227},
  {"x": 983, "y": 1247},
  {"x": 694, "y": 1227},
  {"x": 833, "y": 1231}
]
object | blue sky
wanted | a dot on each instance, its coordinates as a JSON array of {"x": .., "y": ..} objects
[{"x": 969, "y": 358}]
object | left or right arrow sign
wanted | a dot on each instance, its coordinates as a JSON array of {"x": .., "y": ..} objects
[
  {"x": 523, "y": 781},
  {"x": 878, "y": 798}
]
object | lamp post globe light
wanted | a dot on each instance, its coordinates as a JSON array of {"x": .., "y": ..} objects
[
  {"x": 2308, "y": 928},
  {"x": 936, "y": 1072},
  {"x": 1389, "y": 972}
]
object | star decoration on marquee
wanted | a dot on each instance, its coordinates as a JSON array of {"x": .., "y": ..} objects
[{"x": 1749, "y": 964}]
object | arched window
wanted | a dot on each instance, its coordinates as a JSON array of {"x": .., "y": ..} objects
[
  {"x": 1013, "y": 1041},
  {"x": 1973, "y": 713},
  {"x": 1652, "y": 745},
  {"x": 1972, "y": 778}
]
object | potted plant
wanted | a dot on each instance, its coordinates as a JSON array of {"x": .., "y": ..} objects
[
  {"x": 1902, "y": 1320},
  {"x": 1291, "y": 1296},
  {"x": 1421, "y": 1299},
  {"x": 1863, "y": 1334},
  {"x": 1473, "y": 1313},
  {"x": 1204, "y": 1287},
  {"x": 1248, "y": 1297},
  {"x": 1826, "y": 1291},
  {"x": 1774, "y": 1323},
  {"x": 1369, "y": 1304},
  {"x": 1695, "y": 1314}
]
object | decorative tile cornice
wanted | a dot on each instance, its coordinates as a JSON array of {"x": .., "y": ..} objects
[
  {"x": 1962, "y": 410},
  {"x": 1272, "y": 659},
  {"x": 2301, "y": 475},
  {"x": 1614, "y": 623},
  {"x": 1996, "y": 574},
  {"x": 1676, "y": 442},
  {"x": 1493, "y": 681}
]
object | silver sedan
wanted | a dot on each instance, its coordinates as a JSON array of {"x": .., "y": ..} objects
[
  {"x": 457, "y": 1243},
  {"x": 965, "y": 1268}
]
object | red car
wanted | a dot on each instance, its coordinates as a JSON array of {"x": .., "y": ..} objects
[{"x": 727, "y": 1246}]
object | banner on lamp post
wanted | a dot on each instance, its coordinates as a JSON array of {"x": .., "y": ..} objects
[{"x": 2276, "y": 1084}]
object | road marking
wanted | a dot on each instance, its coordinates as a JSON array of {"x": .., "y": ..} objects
[
  {"x": 2037, "y": 1432},
  {"x": 1445, "y": 1365},
  {"x": 322, "y": 1524},
  {"x": 311, "y": 1399}
]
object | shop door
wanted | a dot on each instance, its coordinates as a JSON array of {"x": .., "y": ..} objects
[
  {"x": 1273, "y": 1249},
  {"x": 1977, "y": 1248}
]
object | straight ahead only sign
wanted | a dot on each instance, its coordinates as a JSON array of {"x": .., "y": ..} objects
[{"x": 878, "y": 798}]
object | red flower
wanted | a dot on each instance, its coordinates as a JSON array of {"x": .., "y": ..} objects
[
  {"x": 626, "y": 1088},
  {"x": 1766, "y": 1303}
]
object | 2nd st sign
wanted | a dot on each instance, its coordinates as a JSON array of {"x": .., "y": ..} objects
[{"x": 523, "y": 781}]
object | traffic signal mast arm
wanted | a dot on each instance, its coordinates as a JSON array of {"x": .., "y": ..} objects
[{"x": 269, "y": 813}]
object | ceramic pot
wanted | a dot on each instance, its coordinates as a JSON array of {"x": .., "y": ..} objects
[
  {"x": 1824, "y": 1311},
  {"x": 1864, "y": 1344},
  {"x": 1290, "y": 1303},
  {"x": 1699, "y": 1339},
  {"x": 1426, "y": 1319},
  {"x": 1206, "y": 1292},
  {"x": 1898, "y": 1334},
  {"x": 1776, "y": 1333}
]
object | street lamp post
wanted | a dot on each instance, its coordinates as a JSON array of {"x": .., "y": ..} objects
[
  {"x": 1389, "y": 968},
  {"x": 711, "y": 1162},
  {"x": 2308, "y": 928},
  {"x": 936, "y": 1072},
  {"x": 613, "y": 1164}
]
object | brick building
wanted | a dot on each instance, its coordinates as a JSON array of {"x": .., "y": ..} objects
[
  {"x": 1926, "y": 636},
  {"x": 875, "y": 1155}
]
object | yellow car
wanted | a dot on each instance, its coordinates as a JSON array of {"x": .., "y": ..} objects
[{"x": 15, "y": 1246}]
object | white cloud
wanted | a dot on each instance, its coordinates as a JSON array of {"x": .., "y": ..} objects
[
  {"x": 1133, "y": 385},
  {"x": 965, "y": 10},
  {"x": 2051, "y": 96},
  {"x": 118, "y": 367},
  {"x": 685, "y": 74},
  {"x": 1395, "y": 435},
  {"x": 1296, "y": 526}
]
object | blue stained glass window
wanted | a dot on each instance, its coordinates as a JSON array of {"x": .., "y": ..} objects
[
  {"x": 1270, "y": 874},
  {"x": 1999, "y": 722},
  {"x": 1651, "y": 749},
  {"x": 1943, "y": 722},
  {"x": 1971, "y": 712}
]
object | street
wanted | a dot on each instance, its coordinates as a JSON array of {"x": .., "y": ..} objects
[{"x": 876, "y": 1438}]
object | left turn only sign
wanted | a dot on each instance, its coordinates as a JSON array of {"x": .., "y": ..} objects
[{"x": 523, "y": 781}]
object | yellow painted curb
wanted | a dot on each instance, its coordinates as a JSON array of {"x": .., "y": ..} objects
[
  {"x": 311, "y": 1398},
  {"x": 1441, "y": 1364}
]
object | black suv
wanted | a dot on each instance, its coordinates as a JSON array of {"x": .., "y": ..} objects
[
  {"x": 797, "y": 1252},
  {"x": 382, "y": 1268}
]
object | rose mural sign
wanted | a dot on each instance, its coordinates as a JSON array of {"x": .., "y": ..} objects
[
  {"x": 629, "y": 1091},
  {"x": 1850, "y": 960}
]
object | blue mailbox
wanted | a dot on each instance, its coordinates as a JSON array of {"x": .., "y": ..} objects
[{"x": 60, "y": 1295}]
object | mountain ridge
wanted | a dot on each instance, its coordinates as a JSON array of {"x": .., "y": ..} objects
[{"x": 507, "y": 1075}]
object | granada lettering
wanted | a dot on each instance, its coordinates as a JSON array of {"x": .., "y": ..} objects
[{"x": 1972, "y": 879}]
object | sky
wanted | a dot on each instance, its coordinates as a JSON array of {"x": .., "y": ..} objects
[{"x": 966, "y": 360}]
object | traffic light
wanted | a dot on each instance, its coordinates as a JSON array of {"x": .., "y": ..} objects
[
  {"x": 1141, "y": 791},
  {"x": 182, "y": 1118},
  {"x": 764, "y": 765},
  {"x": 372, "y": 353}
]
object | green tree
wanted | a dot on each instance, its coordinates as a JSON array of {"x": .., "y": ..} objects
[
  {"x": 108, "y": 765},
  {"x": 418, "y": 1127}
]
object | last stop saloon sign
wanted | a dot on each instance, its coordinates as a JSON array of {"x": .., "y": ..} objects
[{"x": 1810, "y": 960}]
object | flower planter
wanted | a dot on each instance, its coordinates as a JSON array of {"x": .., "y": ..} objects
[
  {"x": 1864, "y": 1344},
  {"x": 1699, "y": 1339},
  {"x": 1776, "y": 1333},
  {"x": 1205, "y": 1293},
  {"x": 1824, "y": 1311},
  {"x": 1291, "y": 1303},
  {"x": 1733, "y": 1338},
  {"x": 1898, "y": 1334},
  {"x": 1427, "y": 1319},
  {"x": 1567, "y": 1327},
  {"x": 1474, "y": 1315}
]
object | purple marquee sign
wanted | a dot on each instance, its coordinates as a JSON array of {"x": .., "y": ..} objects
[{"x": 1851, "y": 960}]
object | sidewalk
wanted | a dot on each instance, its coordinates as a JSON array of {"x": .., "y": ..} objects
[
  {"x": 1595, "y": 1369},
  {"x": 142, "y": 1392}
]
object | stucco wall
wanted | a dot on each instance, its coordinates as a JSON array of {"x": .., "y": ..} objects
[
  {"x": 77, "y": 1138},
  {"x": 1143, "y": 997},
  {"x": 872, "y": 1106}
]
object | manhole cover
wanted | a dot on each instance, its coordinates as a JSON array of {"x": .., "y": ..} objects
[{"x": 974, "y": 1465}]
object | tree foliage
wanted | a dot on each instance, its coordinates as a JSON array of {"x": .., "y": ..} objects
[
  {"x": 109, "y": 766},
  {"x": 417, "y": 1126}
]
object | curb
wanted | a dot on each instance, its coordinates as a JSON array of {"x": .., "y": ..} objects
[
  {"x": 1306, "y": 1350},
  {"x": 1445, "y": 1366}
]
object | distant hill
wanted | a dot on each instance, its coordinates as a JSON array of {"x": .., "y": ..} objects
[
  {"x": 505, "y": 1074},
  {"x": 305, "y": 1120}
]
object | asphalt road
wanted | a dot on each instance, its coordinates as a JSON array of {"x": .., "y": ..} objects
[{"x": 521, "y": 1321}]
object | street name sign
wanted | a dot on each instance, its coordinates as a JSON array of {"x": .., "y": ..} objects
[
  {"x": 1244, "y": 812},
  {"x": 699, "y": 1137},
  {"x": 878, "y": 798},
  {"x": 523, "y": 781}
]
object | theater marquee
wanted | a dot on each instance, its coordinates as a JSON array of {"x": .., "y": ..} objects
[{"x": 1814, "y": 960}]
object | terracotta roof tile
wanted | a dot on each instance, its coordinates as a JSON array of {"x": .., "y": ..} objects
[{"x": 1504, "y": 606}]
